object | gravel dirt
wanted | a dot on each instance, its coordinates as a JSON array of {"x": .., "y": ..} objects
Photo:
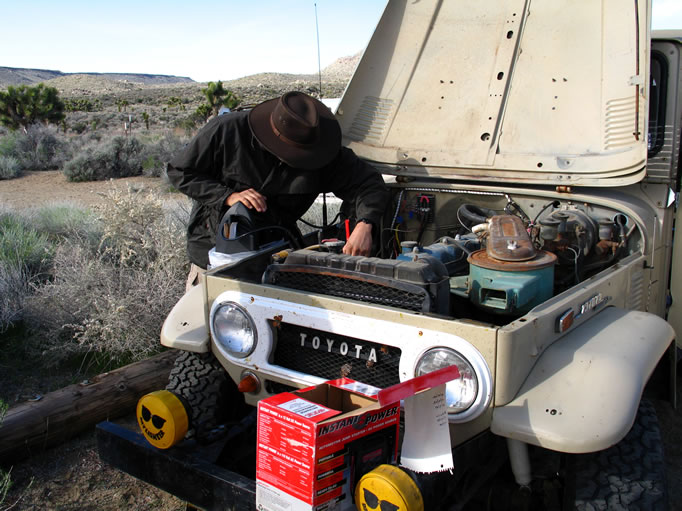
[
  {"x": 39, "y": 188},
  {"x": 72, "y": 477}
]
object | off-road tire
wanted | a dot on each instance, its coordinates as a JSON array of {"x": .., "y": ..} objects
[
  {"x": 203, "y": 384},
  {"x": 628, "y": 476}
]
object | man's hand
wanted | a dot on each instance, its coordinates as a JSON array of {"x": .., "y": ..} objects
[
  {"x": 250, "y": 198},
  {"x": 360, "y": 240}
]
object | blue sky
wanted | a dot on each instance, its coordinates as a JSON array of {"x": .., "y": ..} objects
[{"x": 205, "y": 39}]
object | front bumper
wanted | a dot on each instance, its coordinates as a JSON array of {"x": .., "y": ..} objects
[{"x": 186, "y": 472}]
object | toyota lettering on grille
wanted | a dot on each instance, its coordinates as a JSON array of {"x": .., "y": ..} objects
[{"x": 344, "y": 348}]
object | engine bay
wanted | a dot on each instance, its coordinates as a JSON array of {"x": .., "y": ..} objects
[{"x": 483, "y": 256}]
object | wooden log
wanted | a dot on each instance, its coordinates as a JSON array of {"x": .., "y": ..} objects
[{"x": 28, "y": 428}]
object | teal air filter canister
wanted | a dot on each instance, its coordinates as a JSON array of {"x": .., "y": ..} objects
[
  {"x": 510, "y": 276},
  {"x": 510, "y": 287}
]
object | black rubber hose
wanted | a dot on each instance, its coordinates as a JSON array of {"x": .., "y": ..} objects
[{"x": 476, "y": 215}]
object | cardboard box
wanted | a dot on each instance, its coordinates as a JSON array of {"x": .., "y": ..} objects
[{"x": 315, "y": 443}]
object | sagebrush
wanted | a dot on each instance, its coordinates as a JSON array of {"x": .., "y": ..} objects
[
  {"x": 9, "y": 167},
  {"x": 116, "y": 157},
  {"x": 14, "y": 288},
  {"x": 158, "y": 152},
  {"x": 110, "y": 299},
  {"x": 122, "y": 157},
  {"x": 21, "y": 245},
  {"x": 40, "y": 147}
]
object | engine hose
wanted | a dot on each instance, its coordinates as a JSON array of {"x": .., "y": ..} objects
[
  {"x": 555, "y": 204},
  {"x": 480, "y": 228},
  {"x": 474, "y": 214}
]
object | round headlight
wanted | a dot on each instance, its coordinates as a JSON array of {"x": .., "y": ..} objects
[
  {"x": 234, "y": 330},
  {"x": 461, "y": 393}
]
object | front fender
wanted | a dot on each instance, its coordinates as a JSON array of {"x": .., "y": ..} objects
[
  {"x": 582, "y": 394},
  {"x": 185, "y": 327}
]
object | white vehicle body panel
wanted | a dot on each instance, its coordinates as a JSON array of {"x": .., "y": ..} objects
[{"x": 493, "y": 91}]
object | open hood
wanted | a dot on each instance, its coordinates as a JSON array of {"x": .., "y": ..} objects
[{"x": 514, "y": 91}]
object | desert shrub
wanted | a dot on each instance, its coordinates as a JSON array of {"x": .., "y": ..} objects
[
  {"x": 66, "y": 221},
  {"x": 8, "y": 143},
  {"x": 90, "y": 138},
  {"x": 82, "y": 104},
  {"x": 40, "y": 148},
  {"x": 190, "y": 123},
  {"x": 27, "y": 247},
  {"x": 21, "y": 246},
  {"x": 9, "y": 167},
  {"x": 25, "y": 257},
  {"x": 79, "y": 127},
  {"x": 117, "y": 157},
  {"x": 14, "y": 289},
  {"x": 135, "y": 229},
  {"x": 159, "y": 153},
  {"x": 110, "y": 301}
]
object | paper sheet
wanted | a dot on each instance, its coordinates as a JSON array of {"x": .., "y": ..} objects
[{"x": 426, "y": 444}]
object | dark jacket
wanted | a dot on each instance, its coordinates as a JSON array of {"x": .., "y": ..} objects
[{"x": 224, "y": 158}]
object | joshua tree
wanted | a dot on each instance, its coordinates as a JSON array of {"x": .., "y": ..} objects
[
  {"x": 203, "y": 112},
  {"x": 23, "y": 105},
  {"x": 175, "y": 101},
  {"x": 217, "y": 96}
]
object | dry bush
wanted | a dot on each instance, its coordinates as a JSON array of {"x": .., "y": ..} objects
[
  {"x": 117, "y": 157},
  {"x": 41, "y": 148},
  {"x": 9, "y": 167},
  {"x": 21, "y": 245},
  {"x": 14, "y": 289},
  {"x": 10, "y": 164},
  {"x": 27, "y": 246},
  {"x": 64, "y": 220},
  {"x": 111, "y": 300},
  {"x": 158, "y": 152}
]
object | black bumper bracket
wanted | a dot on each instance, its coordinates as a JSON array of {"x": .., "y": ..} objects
[{"x": 176, "y": 470}]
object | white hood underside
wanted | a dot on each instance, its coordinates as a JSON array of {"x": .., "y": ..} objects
[{"x": 514, "y": 91}]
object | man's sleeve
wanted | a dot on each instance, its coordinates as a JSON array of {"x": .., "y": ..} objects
[
  {"x": 354, "y": 180},
  {"x": 197, "y": 170}
]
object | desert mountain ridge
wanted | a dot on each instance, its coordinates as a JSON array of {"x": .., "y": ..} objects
[
  {"x": 340, "y": 70},
  {"x": 26, "y": 76}
]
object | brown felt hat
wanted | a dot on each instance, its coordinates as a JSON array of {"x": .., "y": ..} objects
[{"x": 298, "y": 129}]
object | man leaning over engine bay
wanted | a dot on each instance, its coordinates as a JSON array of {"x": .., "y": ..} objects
[{"x": 275, "y": 159}]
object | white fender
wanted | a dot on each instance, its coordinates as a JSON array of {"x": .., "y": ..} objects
[
  {"x": 582, "y": 394},
  {"x": 185, "y": 327}
]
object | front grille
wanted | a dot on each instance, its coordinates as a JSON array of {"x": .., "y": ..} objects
[
  {"x": 321, "y": 354},
  {"x": 397, "y": 294}
]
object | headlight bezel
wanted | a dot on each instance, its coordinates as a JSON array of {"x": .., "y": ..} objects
[
  {"x": 223, "y": 343},
  {"x": 481, "y": 372}
]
